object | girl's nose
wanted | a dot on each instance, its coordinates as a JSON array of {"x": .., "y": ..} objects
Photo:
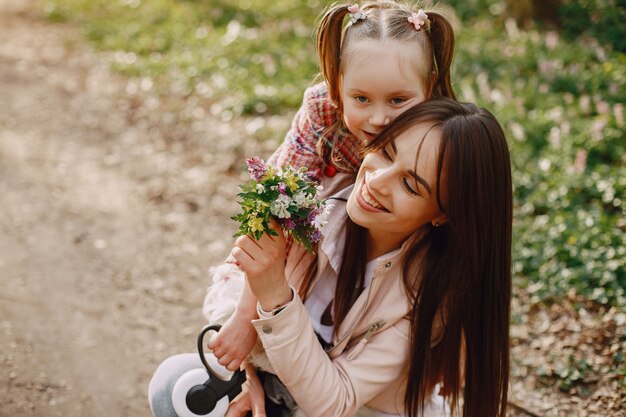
[{"x": 379, "y": 118}]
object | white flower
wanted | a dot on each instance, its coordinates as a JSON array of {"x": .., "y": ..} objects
[
  {"x": 321, "y": 219},
  {"x": 303, "y": 199},
  {"x": 260, "y": 189},
  {"x": 279, "y": 207}
]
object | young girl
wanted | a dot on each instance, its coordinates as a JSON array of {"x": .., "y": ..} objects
[
  {"x": 387, "y": 58},
  {"x": 412, "y": 270},
  {"x": 376, "y": 61}
]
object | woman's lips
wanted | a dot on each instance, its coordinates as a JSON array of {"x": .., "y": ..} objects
[{"x": 367, "y": 202}]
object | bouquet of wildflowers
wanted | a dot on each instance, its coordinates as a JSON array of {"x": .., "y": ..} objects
[{"x": 285, "y": 194}]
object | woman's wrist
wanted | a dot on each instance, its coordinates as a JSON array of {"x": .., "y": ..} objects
[{"x": 276, "y": 299}]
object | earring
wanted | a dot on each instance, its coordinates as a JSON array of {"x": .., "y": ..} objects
[{"x": 436, "y": 224}]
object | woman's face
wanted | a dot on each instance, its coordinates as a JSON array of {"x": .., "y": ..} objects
[{"x": 395, "y": 190}]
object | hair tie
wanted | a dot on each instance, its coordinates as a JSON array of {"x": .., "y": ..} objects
[
  {"x": 420, "y": 20},
  {"x": 355, "y": 13}
]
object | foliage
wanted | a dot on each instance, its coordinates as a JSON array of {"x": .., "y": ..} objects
[
  {"x": 562, "y": 108},
  {"x": 469, "y": 9},
  {"x": 601, "y": 19},
  {"x": 560, "y": 102},
  {"x": 245, "y": 56}
]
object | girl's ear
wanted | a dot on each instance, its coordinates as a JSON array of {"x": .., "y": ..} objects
[{"x": 438, "y": 221}]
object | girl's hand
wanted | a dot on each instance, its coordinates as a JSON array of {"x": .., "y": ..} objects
[
  {"x": 251, "y": 398},
  {"x": 263, "y": 261},
  {"x": 232, "y": 344}
]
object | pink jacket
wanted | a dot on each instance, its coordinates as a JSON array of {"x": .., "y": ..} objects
[{"x": 369, "y": 360}]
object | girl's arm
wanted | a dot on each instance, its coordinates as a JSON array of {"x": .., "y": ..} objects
[
  {"x": 237, "y": 337},
  {"x": 232, "y": 344}
]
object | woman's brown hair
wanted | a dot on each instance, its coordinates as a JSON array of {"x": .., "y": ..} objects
[
  {"x": 385, "y": 20},
  {"x": 461, "y": 269}
]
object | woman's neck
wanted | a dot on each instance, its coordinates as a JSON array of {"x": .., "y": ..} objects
[{"x": 379, "y": 245}]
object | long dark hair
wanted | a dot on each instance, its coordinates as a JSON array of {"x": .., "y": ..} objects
[
  {"x": 385, "y": 20},
  {"x": 461, "y": 269}
]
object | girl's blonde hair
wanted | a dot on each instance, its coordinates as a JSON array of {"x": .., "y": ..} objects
[{"x": 385, "y": 20}]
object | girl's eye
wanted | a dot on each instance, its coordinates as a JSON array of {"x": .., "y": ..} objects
[
  {"x": 398, "y": 100},
  {"x": 408, "y": 187},
  {"x": 386, "y": 154},
  {"x": 361, "y": 99}
]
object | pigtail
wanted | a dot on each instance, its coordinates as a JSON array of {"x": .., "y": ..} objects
[
  {"x": 442, "y": 38},
  {"x": 328, "y": 33}
]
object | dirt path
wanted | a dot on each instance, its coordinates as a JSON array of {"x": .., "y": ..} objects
[{"x": 111, "y": 211}]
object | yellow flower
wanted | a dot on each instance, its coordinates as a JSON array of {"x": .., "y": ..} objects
[
  {"x": 291, "y": 181},
  {"x": 255, "y": 224},
  {"x": 270, "y": 171}
]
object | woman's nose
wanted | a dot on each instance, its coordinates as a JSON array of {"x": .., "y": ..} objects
[{"x": 379, "y": 180}]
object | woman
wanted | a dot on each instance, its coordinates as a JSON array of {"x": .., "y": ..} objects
[{"x": 410, "y": 287}]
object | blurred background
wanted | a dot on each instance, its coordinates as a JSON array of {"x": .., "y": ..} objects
[{"x": 123, "y": 130}]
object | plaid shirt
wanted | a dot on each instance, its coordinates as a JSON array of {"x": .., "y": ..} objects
[{"x": 300, "y": 146}]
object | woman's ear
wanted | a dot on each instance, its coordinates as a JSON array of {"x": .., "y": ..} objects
[{"x": 438, "y": 221}]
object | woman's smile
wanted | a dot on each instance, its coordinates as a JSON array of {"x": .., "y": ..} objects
[{"x": 367, "y": 201}]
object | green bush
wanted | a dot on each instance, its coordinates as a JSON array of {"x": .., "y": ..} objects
[
  {"x": 469, "y": 9},
  {"x": 601, "y": 19},
  {"x": 246, "y": 56},
  {"x": 561, "y": 103}
]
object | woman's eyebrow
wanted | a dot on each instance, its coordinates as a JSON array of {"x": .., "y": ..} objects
[{"x": 420, "y": 180}]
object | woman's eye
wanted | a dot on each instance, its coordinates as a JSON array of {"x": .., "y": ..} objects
[
  {"x": 408, "y": 187},
  {"x": 386, "y": 154},
  {"x": 361, "y": 99},
  {"x": 398, "y": 100}
]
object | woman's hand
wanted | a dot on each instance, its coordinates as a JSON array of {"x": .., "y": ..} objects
[
  {"x": 251, "y": 398},
  {"x": 263, "y": 261}
]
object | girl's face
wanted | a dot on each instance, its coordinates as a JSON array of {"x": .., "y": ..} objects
[
  {"x": 395, "y": 193},
  {"x": 379, "y": 81}
]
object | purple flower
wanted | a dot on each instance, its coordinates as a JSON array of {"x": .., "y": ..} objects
[
  {"x": 256, "y": 168},
  {"x": 315, "y": 236},
  {"x": 312, "y": 215},
  {"x": 289, "y": 224},
  {"x": 282, "y": 188}
]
